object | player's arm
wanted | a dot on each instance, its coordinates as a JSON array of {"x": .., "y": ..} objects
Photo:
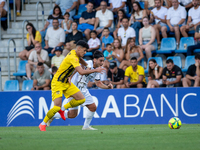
[
  {"x": 83, "y": 62},
  {"x": 103, "y": 86},
  {"x": 84, "y": 72}
]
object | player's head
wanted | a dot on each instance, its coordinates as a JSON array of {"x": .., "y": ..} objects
[
  {"x": 134, "y": 62},
  {"x": 81, "y": 48},
  {"x": 170, "y": 64},
  {"x": 98, "y": 58}
]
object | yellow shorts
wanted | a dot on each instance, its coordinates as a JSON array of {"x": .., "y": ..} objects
[{"x": 58, "y": 89}]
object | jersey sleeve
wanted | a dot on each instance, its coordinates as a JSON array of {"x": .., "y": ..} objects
[
  {"x": 141, "y": 71},
  {"x": 38, "y": 37},
  {"x": 98, "y": 76},
  {"x": 127, "y": 72},
  {"x": 75, "y": 62}
]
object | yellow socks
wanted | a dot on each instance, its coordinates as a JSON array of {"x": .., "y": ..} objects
[
  {"x": 74, "y": 103},
  {"x": 51, "y": 113}
]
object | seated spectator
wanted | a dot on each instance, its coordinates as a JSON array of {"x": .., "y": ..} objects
[
  {"x": 120, "y": 15},
  {"x": 155, "y": 74},
  {"x": 103, "y": 18},
  {"x": 107, "y": 38},
  {"x": 125, "y": 32},
  {"x": 41, "y": 78},
  {"x": 147, "y": 36},
  {"x": 18, "y": 5},
  {"x": 32, "y": 37},
  {"x": 136, "y": 75},
  {"x": 97, "y": 4},
  {"x": 55, "y": 36},
  {"x": 87, "y": 20},
  {"x": 37, "y": 55},
  {"x": 186, "y": 3},
  {"x": 131, "y": 51},
  {"x": 57, "y": 14},
  {"x": 74, "y": 36},
  {"x": 136, "y": 18},
  {"x": 149, "y": 5},
  {"x": 159, "y": 15},
  {"x": 94, "y": 43},
  {"x": 3, "y": 8},
  {"x": 66, "y": 24},
  {"x": 172, "y": 74},
  {"x": 115, "y": 75},
  {"x": 108, "y": 53},
  {"x": 116, "y": 5},
  {"x": 176, "y": 16},
  {"x": 191, "y": 48},
  {"x": 193, "y": 19},
  {"x": 192, "y": 77},
  {"x": 58, "y": 58},
  {"x": 67, "y": 49},
  {"x": 54, "y": 70}
]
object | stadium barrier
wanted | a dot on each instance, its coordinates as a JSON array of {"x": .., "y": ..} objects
[{"x": 115, "y": 107}]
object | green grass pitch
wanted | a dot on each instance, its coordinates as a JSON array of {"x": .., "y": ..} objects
[{"x": 116, "y": 137}]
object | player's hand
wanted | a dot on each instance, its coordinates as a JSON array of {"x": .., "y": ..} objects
[
  {"x": 100, "y": 69},
  {"x": 110, "y": 86}
]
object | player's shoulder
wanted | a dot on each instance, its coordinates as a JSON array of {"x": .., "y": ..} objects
[{"x": 90, "y": 63}]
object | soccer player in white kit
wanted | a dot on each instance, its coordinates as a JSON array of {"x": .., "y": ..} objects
[{"x": 81, "y": 82}]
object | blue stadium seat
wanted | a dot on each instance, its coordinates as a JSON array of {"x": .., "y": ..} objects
[
  {"x": 197, "y": 51},
  {"x": 88, "y": 54},
  {"x": 27, "y": 85},
  {"x": 81, "y": 9},
  {"x": 168, "y": 45},
  {"x": 11, "y": 85},
  {"x": 158, "y": 60},
  {"x": 176, "y": 60},
  {"x": 185, "y": 40},
  {"x": 21, "y": 68},
  {"x": 141, "y": 4},
  {"x": 188, "y": 61}
]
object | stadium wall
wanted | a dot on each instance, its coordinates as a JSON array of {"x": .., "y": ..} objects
[{"x": 115, "y": 107}]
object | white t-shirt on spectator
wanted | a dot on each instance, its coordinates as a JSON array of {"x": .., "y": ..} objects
[
  {"x": 194, "y": 14},
  {"x": 55, "y": 36},
  {"x": 130, "y": 32},
  {"x": 185, "y": 2},
  {"x": 176, "y": 15},
  {"x": 5, "y": 6},
  {"x": 104, "y": 17},
  {"x": 93, "y": 42},
  {"x": 117, "y": 3},
  {"x": 161, "y": 13}
]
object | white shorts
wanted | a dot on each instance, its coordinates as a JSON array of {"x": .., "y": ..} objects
[
  {"x": 159, "y": 81},
  {"x": 88, "y": 99}
]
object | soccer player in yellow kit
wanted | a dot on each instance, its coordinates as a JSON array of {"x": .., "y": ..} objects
[{"x": 60, "y": 84}]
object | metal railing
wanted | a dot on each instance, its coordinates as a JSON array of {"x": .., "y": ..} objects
[
  {"x": 8, "y": 59},
  {"x": 0, "y": 78},
  {"x": 14, "y": 11},
  {"x": 39, "y": 2},
  {"x": 28, "y": 1},
  {"x": 51, "y": 4},
  {"x": 23, "y": 23}
]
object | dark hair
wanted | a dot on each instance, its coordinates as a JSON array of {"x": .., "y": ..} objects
[
  {"x": 97, "y": 54},
  {"x": 90, "y": 2},
  {"x": 197, "y": 56},
  {"x": 60, "y": 14},
  {"x": 124, "y": 14},
  {"x": 93, "y": 31},
  {"x": 150, "y": 71},
  {"x": 134, "y": 58},
  {"x": 67, "y": 13},
  {"x": 145, "y": 17},
  {"x": 169, "y": 61},
  {"x": 75, "y": 22},
  {"x": 157, "y": 0},
  {"x": 125, "y": 18},
  {"x": 54, "y": 69},
  {"x": 127, "y": 43},
  {"x": 138, "y": 4},
  {"x": 120, "y": 45},
  {"x": 33, "y": 29},
  {"x": 40, "y": 64},
  {"x": 82, "y": 44},
  {"x": 106, "y": 28},
  {"x": 55, "y": 19},
  {"x": 108, "y": 45}
]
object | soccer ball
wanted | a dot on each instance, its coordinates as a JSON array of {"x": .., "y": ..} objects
[{"x": 174, "y": 123}]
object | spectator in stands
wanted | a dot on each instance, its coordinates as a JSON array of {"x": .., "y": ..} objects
[
  {"x": 37, "y": 55},
  {"x": 87, "y": 20},
  {"x": 172, "y": 74},
  {"x": 192, "y": 77},
  {"x": 94, "y": 43},
  {"x": 159, "y": 15},
  {"x": 3, "y": 8},
  {"x": 58, "y": 58},
  {"x": 57, "y": 14},
  {"x": 74, "y": 36},
  {"x": 18, "y": 5},
  {"x": 54, "y": 70},
  {"x": 116, "y": 5},
  {"x": 67, "y": 6},
  {"x": 149, "y": 5},
  {"x": 104, "y": 18},
  {"x": 155, "y": 74},
  {"x": 186, "y": 3},
  {"x": 115, "y": 75},
  {"x": 136, "y": 75},
  {"x": 97, "y": 4},
  {"x": 176, "y": 16},
  {"x": 120, "y": 15},
  {"x": 66, "y": 24},
  {"x": 118, "y": 53},
  {"x": 41, "y": 78},
  {"x": 131, "y": 50},
  {"x": 32, "y": 37},
  {"x": 55, "y": 36},
  {"x": 191, "y": 48},
  {"x": 193, "y": 19},
  {"x": 67, "y": 49},
  {"x": 125, "y": 32},
  {"x": 107, "y": 38},
  {"x": 108, "y": 53},
  {"x": 136, "y": 18},
  {"x": 147, "y": 36}
]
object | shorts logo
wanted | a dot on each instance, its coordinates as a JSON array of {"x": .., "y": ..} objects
[{"x": 57, "y": 92}]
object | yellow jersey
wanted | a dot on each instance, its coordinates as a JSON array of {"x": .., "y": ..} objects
[
  {"x": 134, "y": 75},
  {"x": 70, "y": 62},
  {"x": 38, "y": 36}
]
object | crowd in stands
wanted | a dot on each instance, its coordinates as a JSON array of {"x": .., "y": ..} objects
[{"x": 125, "y": 32}]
